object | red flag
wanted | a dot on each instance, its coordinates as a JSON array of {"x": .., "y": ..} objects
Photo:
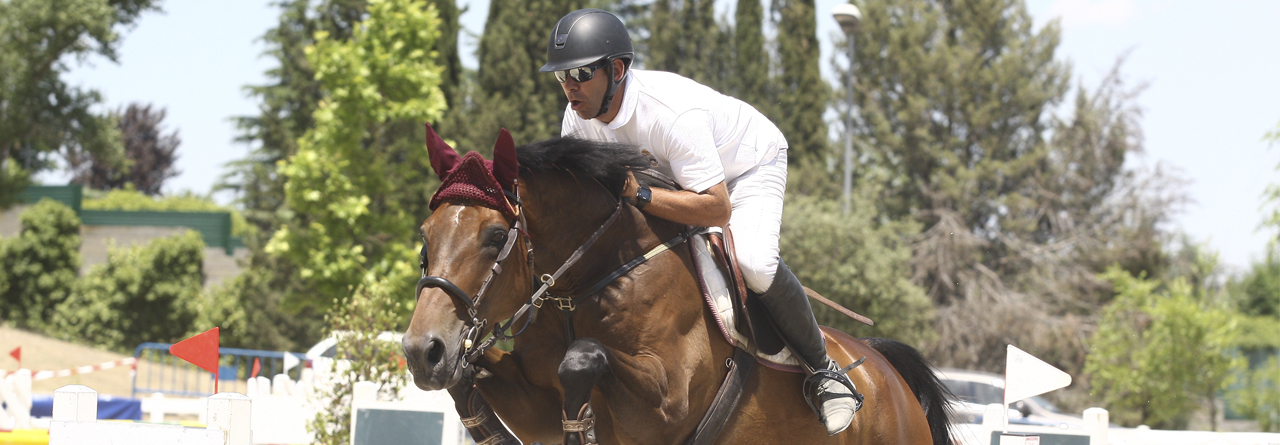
[
  {"x": 200, "y": 350},
  {"x": 16, "y": 353},
  {"x": 256, "y": 367}
]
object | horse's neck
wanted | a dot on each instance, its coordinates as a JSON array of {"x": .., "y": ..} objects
[{"x": 563, "y": 213}]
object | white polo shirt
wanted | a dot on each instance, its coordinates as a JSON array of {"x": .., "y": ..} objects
[{"x": 690, "y": 132}]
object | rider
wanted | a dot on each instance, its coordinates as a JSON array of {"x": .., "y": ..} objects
[{"x": 730, "y": 160}]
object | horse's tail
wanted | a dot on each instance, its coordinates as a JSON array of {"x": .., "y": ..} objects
[{"x": 932, "y": 394}]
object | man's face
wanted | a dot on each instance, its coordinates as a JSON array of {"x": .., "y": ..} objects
[{"x": 585, "y": 97}]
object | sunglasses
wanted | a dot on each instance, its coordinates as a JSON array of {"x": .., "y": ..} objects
[{"x": 580, "y": 74}]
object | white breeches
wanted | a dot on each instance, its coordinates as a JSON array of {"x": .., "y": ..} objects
[{"x": 757, "y": 197}]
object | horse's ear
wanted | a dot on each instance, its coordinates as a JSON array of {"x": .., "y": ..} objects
[
  {"x": 505, "y": 165},
  {"x": 443, "y": 157}
]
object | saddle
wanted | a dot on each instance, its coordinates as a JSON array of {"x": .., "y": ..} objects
[{"x": 741, "y": 316}]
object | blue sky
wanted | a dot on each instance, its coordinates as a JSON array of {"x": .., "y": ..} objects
[{"x": 1213, "y": 70}]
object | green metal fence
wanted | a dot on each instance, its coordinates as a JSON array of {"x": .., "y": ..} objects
[{"x": 214, "y": 227}]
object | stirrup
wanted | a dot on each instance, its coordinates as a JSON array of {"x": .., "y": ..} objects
[
  {"x": 584, "y": 426},
  {"x": 839, "y": 375}
]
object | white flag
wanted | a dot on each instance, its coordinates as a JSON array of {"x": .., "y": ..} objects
[
  {"x": 1027, "y": 376},
  {"x": 290, "y": 361}
]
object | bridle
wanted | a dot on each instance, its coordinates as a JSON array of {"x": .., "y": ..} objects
[{"x": 471, "y": 351}]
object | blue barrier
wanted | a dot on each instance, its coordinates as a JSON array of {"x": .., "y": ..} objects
[
  {"x": 157, "y": 371},
  {"x": 109, "y": 407}
]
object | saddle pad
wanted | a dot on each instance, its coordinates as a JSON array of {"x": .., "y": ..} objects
[{"x": 714, "y": 284}]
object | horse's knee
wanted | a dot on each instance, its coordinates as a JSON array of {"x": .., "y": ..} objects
[{"x": 585, "y": 360}]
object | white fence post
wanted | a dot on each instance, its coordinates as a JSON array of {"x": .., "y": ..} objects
[
  {"x": 229, "y": 412},
  {"x": 15, "y": 392},
  {"x": 1096, "y": 422},
  {"x": 75, "y": 403},
  {"x": 75, "y": 412}
]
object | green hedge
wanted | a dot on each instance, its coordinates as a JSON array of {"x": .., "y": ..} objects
[
  {"x": 148, "y": 293},
  {"x": 39, "y": 267}
]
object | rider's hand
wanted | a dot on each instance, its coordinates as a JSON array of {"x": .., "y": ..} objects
[{"x": 630, "y": 188}]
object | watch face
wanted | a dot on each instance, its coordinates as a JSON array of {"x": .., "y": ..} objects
[{"x": 643, "y": 195}]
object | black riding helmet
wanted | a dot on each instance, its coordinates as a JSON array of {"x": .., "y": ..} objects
[{"x": 584, "y": 37}]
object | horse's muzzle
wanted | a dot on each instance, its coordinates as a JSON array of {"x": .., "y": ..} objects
[{"x": 433, "y": 363}]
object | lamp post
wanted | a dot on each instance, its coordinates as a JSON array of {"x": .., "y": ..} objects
[{"x": 849, "y": 18}]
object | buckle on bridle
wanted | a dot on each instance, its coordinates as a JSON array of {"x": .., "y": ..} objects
[{"x": 562, "y": 303}]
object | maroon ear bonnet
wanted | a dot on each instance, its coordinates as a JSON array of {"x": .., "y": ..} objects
[{"x": 471, "y": 176}]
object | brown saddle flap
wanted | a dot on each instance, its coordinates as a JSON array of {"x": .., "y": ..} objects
[{"x": 752, "y": 320}]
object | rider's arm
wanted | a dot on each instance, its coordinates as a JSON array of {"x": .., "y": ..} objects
[{"x": 710, "y": 208}]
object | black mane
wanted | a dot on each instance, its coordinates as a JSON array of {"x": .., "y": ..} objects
[{"x": 606, "y": 162}]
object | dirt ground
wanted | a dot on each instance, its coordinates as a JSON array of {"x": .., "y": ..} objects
[{"x": 40, "y": 353}]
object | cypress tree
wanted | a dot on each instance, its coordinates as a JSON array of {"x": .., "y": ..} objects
[
  {"x": 684, "y": 38},
  {"x": 802, "y": 95},
  {"x": 750, "y": 78},
  {"x": 510, "y": 91},
  {"x": 447, "y": 50}
]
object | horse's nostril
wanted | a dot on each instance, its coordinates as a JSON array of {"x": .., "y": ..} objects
[{"x": 435, "y": 351}]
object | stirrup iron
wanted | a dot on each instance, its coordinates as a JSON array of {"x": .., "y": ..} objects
[{"x": 839, "y": 375}]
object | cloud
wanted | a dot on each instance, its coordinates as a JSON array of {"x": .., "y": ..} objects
[{"x": 1094, "y": 12}]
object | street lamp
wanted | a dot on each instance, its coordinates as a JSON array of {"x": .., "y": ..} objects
[{"x": 849, "y": 18}]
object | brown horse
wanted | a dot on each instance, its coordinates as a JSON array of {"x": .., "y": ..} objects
[{"x": 643, "y": 349}]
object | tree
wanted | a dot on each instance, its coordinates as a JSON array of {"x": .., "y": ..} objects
[
  {"x": 1021, "y": 209},
  {"x": 252, "y": 315},
  {"x": 1256, "y": 296},
  {"x": 684, "y": 38},
  {"x": 750, "y": 70},
  {"x": 857, "y": 262},
  {"x": 1146, "y": 337},
  {"x": 802, "y": 96},
  {"x": 360, "y": 357},
  {"x": 287, "y": 105},
  {"x": 141, "y": 294},
  {"x": 41, "y": 115},
  {"x": 355, "y": 186},
  {"x": 38, "y": 269},
  {"x": 149, "y": 155},
  {"x": 510, "y": 91}
]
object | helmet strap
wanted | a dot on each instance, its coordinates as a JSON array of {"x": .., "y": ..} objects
[{"x": 608, "y": 94}]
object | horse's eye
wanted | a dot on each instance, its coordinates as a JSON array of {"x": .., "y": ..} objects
[
  {"x": 422, "y": 256},
  {"x": 498, "y": 238}
]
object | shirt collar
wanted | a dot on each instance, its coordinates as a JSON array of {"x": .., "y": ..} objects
[{"x": 628, "y": 105}]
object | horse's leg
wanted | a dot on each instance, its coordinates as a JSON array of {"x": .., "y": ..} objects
[
  {"x": 477, "y": 415},
  {"x": 584, "y": 363},
  {"x": 526, "y": 407}
]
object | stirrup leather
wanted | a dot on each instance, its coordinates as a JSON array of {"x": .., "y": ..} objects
[
  {"x": 584, "y": 426},
  {"x": 839, "y": 375}
]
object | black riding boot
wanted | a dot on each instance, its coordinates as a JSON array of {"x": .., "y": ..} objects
[{"x": 789, "y": 308}]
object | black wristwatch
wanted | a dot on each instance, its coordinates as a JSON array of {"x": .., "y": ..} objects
[{"x": 643, "y": 196}]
